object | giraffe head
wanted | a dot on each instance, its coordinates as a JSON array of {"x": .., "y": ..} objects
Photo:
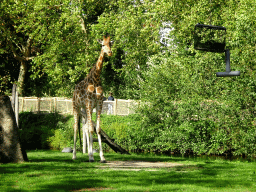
[{"x": 106, "y": 45}]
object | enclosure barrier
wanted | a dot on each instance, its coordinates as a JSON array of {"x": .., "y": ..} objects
[{"x": 64, "y": 105}]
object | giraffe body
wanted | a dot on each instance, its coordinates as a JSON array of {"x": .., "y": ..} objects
[{"x": 88, "y": 94}]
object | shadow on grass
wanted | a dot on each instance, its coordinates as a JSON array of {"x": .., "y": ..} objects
[
  {"x": 205, "y": 176},
  {"x": 142, "y": 157},
  {"x": 72, "y": 184},
  {"x": 57, "y": 156},
  {"x": 56, "y": 171},
  {"x": 49, "y": 171},
  {"x": 65, "y": 184}
]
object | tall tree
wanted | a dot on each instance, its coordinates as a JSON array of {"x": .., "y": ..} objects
[
  {"x": 136, "y": 31},
  {"x": 33, "y": 28},
  {"x": 24, "y": 27},
  {"x": 190, "y": 108},
  {"x": 10, "y": 147},
  {"x": 72, "y": 49},
  {"x": 60, "y": 39}
]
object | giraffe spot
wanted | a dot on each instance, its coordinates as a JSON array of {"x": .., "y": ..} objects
[
  {"x": 96, "y": 79},
  {"x": 83, "y": 102},
  {"x": 90, "y": 95},
  {"x": 99, "y": 63},
  {"x": 99, "y": 90},
  {"x": 90, "y": 88},
  {"x": 74, "y": 97}
]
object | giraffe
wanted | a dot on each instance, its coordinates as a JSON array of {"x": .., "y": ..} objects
[{"x": 88, "y": 94}]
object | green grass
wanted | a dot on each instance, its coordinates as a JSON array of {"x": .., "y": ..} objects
[{"x": 56, "y": 171}]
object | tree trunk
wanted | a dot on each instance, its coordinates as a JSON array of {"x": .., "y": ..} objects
[
  {"x": 10, "y": 147},
  {"x": 15, "y": 103},
  {"x": 112, "y": 144},
  {"x": 21, "y": 79}
]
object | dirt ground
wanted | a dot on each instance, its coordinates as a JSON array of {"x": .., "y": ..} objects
[
  {"x": 137, "y": 165},
  {"x": 131, "y": 166}
]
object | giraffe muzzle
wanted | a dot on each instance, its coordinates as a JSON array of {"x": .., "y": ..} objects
[{"x": 110, "y": 53}]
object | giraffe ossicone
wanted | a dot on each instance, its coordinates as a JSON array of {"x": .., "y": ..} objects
[{"x": 88, "y": 94}]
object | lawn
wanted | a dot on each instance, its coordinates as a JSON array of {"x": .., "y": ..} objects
[{"x": 56, "y": 171}]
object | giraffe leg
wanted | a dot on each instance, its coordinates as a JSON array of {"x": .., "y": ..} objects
[
  {"x": 102, "y": 158},
  {"x": 98, "y": 129},
  {"x": 84, "y": 119},
  {"x": 88, "y": 138},
  {"x": 76, "y": 118},
  {"x": 90, "y": 131},
  {"x": 84, "y": 135},
  {"x": 90, "y": 153}
]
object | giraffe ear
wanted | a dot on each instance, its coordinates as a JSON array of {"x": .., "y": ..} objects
[
  {"x": 100, "y": 41},
  {"x": 112, "y": 42}
]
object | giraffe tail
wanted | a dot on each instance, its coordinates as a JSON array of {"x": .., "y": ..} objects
[{"x": 79, "y": 128}]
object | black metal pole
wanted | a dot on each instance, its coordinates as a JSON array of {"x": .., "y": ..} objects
[
  {"x": 227, "y": 59},
  {"x": 228, "y": 72}
]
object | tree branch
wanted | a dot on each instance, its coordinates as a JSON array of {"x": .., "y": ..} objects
[
  {"x": 18, "y": 46},
  {"x": 82, "y": 24},
  {"x": 16, "y": 56},
  {"x": 29, "y": 58}
]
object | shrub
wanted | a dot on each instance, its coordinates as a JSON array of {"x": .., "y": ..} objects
[
  {"x": 122, "y": 129},
  {"x": 45, "y": 131},
  {"x": 63, "y": 136},
  {"x": 187, "y": 109},
  {"x": 35, "y": 129}
]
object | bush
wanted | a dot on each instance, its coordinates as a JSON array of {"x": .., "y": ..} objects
[
  {"x": 46, "y": 131},
  {"x": 201, "y": 127},
  {"x": 35, "y": 129},
  {"x": 198, "y": 126},
  {"x": 55, "y": 131},
  {"x": 63, "y": 136},
  {"x": 121, "y": 128},
  {"x": 188, "y": 110}
]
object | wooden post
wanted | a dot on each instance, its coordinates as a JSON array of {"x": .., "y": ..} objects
[
  {"x": 13, "y": 96},
  {"x": 38, "y": 105},
  {"x": 66, "y": 104},
  {"x": 55, "y": 104},
  {"x": 15, "y": 103},
  {"x": 50, "y": 106},
  {"x": 22, "y": 104},
  {"x": 129, "y": 106},
  {"x": 17, "y": 107},
  {"x": 115, "y": 106}
]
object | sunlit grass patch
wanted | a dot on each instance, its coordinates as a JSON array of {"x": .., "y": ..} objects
[{"x": 56, "y": 171}]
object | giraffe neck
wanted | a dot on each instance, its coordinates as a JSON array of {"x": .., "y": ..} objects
[
  {"x": 99, "y": 63},
  {"x": 96, "y": 70}
]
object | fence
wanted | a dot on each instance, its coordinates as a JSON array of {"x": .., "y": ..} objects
[{"x": 64, "y": 105}]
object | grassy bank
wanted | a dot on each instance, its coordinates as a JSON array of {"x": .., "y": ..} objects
[
  {"x": 56, "y": 171},
  {"x": 137, "y": 133}
]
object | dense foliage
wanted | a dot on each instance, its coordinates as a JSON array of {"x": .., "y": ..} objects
[
  {"x": 185, "y": 107},
  {"x": 55, "y": 131},
  {"x": 59, "y": 44},
  {"x": 182, "y": 131},
  {"x": 26, "y": 27},
  {"x": 36, "y": 129},
  {"x": 56, "y": 42}
]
